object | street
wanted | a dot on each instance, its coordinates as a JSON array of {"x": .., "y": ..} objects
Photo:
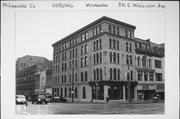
[{"x": 89, "y": 108}]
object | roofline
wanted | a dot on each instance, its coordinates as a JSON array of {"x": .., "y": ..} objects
[
  {"x": 93, "y": 23},
  {"x": 147, "y": 41}
]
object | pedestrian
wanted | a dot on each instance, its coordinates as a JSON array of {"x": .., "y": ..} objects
[{"x": 107, "y": 98}]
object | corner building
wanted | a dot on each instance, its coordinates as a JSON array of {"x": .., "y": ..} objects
[{"x": 96, "y": 62}]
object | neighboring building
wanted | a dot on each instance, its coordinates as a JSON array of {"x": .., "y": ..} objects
[
  {"x": 95, "y": 62},
  {"x": 28, "y": 61},
  {"x": 32, "y": 79},
  {"x": 150, "y": 69},
  {"x": 48, "y": 81}
]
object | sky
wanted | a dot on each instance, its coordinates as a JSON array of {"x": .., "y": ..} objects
[{"x": 36, "y": 31}]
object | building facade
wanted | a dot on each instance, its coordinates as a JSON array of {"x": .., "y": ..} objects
[
  {"x": 31, "y": 77},
  {"x": 149, "y": 69},
  {"x": 96, "y": 62}
]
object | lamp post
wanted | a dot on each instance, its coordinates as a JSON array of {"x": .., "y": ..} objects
[{"x": 73, "y": 84}]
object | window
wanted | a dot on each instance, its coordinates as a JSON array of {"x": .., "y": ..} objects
[
  {"x": 94, "y": 58},
  {"x": 131, "y": 75},
  {"x": 145, "y": 76},
  {"x": 82, "y": 78},
  {"x": 118, "y": 74},
  {"x": 158, "y": 77},
  {"x": 114, "y": 57},
  {"x": 76, "y": 63},
  {"x": 75, "y": 92},
  {"x": 76, "y": 52},
  {"x": 86, "y": 61},
  {"x": 130, "y": 47},
  {"x": 117, "y": 30},
  {"x": 97, "y": 74},
  {"x": 126, "y": 46},
  {"x": 101, "y": 74},
  {"x": 82, "y": 37},
  {"x": 94, "y": 43},
  {"x": 131, "y": 59},
  {"x": 86, "y": 76},
  {"x": 65, "y": 92},
  {"x": 114, "y": 73},
  {"x": 100, "y": 43},
  {"x": 118, "y": 44},
  {"x": 114, "y": 43},
  {"x": 73, "y": 52},
  {"x": 94, "y": 74},
  {"x": 86, "y": 35},
  {"x": 114, "y": 30},
  {"x": 100, "y": 58},
  {"x": 70, "y": 78},
  {"x": 127, "y": 59},
  {"x": 69, "y": 92},
  {"x": 82, "y": 62},
  {"x": 110, "y": 43},
  {"x": 109, "y": 28},
  {"x": 118, "y": 58},
  {"x": 138, "y": 61},
  {"x": 151, "y": 76},
  {"x": 157, "y": 64},
  {"x": 84, "y": 92},
  {"x": 110, "y": 73},
  {"x": 110, "y": 57},
  {"x": 150, "y": 63},
  {"x": 86, "y": 48},
  {"x": 97, "y": 58},
  {"x": 82, "y": 50},
  {"x": 139, "y": 75},
  {"x": 144, "y": 61},
  {"x": 75, "y": 77}
]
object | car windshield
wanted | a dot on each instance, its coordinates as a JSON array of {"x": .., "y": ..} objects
[
  {"x": 20, "y": 96},
  {"x": 41, "y": 96}
]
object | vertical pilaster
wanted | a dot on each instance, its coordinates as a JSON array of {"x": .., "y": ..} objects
[
  {"x": 135, "y": 93},
  {"x": 105, "y": 92},
  {"x": 124, "y": 93}
]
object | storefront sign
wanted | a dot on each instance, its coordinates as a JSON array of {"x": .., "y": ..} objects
[
  {"x": 145, "y": 87},
  {"x": 160, "y": 86}
]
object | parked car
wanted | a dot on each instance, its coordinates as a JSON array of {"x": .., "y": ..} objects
[
  {"x": 62, "y": 99},
  {"x": 55, "y": 99},
  {"x": 39, "y": 98},
  {"x": 48, "y": 97},
  {"x": 21, "y": 99}
]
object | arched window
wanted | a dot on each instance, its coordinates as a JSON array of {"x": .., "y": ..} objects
[
  {"x": 110, "y": 44},
  {"x": 144, "y": 61},
  {"x": 114, "y": 57},
  {"x": 110, "y": 57},
  {"x": 84, "y": 92},
  {"x": 86, "y": 61},
  {"x": 126, "y": 46},
  {"x": 100, "y": 57},
  {"x": 86, "y": 76},
  {"x": 114, "y": 44},
  {"x": 86, "y": 48},
  {"x": 118, "y": 58},
  {"x": 100, "y": 43},
  {"x": 117, "y": 44},
  {"x": 82, "y": 78},
  {"x": 82, "y": 50},
  {"x": 150, "y": 63},
  {"x": 138, "y": 61},
  {"x": 97, "y": 45},
  {"x": 118, "y": 74},
  {"x": 114, "y": 73},
  {"x": 82, "y": 62}
]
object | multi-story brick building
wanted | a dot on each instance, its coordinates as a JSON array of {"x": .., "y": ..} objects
[
  {"x": 32, "y": 79},
  {"x": 95, "y": 62},
  {"x": 149, "y": 69}
]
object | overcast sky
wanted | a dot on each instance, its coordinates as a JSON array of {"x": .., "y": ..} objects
[{"x": 36, "y": 31}]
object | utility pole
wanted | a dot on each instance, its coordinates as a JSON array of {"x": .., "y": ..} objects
[
  {"x": 129, "y": 85},
  {"x": 73, "y": 84}
]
